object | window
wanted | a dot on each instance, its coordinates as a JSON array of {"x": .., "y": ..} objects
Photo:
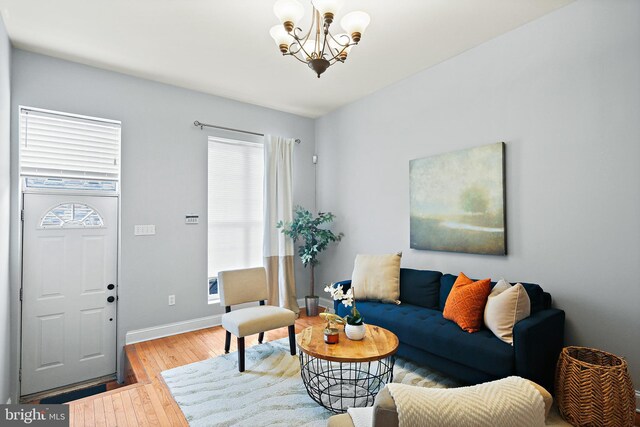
[
  {"x": 234, "y": 207},
  {"x": 39, "y": 182},
  {"x": 71, "y": 215},
  {"x": 75, "y": 149}
]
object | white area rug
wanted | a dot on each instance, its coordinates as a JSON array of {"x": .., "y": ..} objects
[{"x": 270, "y": 391}]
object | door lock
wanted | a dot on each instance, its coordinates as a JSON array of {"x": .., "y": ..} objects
[
  {"x": 111, "y": 299},
  {"x": 110, "y": 286}
]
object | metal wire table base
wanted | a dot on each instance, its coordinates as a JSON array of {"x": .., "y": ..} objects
[{"x": 341, "y": 385}]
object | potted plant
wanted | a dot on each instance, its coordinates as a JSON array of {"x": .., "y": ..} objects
[
  {"x": 353, "y": 323},
  {"x": 315, "y": 238}
]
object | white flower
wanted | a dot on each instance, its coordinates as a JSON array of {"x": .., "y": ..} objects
[
  {"x": 338, "y": 294},
  {"x": 335, "y": 291},
  {"x": 347, "y": 298}
]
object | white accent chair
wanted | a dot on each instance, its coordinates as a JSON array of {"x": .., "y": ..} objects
[{"x": 250, "y": 285}]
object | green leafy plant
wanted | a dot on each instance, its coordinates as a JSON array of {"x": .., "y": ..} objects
[
  {"x": 313, "y": 234},
  {"x": 355, "y": 318}
]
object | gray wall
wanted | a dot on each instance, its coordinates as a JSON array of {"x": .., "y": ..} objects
[
  {"x": 164, "y": 174},
  {"x": 563, "y": 92},
  {"x": 5, "y": 187}
]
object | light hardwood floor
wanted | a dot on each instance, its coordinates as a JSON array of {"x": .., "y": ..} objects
[{"x": 146, "y": 400}]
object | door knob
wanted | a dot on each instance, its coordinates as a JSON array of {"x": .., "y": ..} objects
[
  {"x": 111, "y": 299},
  {"x": 110, "y": 286}
]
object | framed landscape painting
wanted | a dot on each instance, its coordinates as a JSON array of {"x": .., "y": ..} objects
[{"x": 458, "y": 201}]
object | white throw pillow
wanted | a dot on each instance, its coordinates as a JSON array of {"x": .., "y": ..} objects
[
  {"x": 377, "y": 277},
  {"x": 506, "y": 306}
]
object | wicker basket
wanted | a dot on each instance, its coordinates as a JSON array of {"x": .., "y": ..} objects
[{"x": 593, "y": 388}]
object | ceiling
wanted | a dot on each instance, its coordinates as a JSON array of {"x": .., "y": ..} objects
[{"x": 224, "y": 48}]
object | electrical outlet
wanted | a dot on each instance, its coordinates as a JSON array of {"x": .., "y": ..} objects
[{"x": 172, "y": 299}]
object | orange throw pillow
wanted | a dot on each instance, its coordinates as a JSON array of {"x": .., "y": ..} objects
[{"x": 466, "y": 301}]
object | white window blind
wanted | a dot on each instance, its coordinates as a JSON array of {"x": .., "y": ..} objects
[
  {"x": 68, "y": 146},
  {"x": 235, "y": 205}
]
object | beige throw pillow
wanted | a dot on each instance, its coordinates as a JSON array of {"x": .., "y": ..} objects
[
  {"x": 506, "y": 306},
  {"x": 377, "y": 277}
]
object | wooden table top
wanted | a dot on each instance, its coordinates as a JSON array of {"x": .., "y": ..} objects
[{"x": 377, "y": 344}]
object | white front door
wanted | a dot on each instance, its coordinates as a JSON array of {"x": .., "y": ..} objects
[{"x": 70, "y": 246}]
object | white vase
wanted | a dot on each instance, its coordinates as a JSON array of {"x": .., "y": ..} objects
[{"x": 355, "y": 332}]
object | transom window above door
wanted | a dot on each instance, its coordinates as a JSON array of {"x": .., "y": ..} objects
[{"x": 37, "y": 183}]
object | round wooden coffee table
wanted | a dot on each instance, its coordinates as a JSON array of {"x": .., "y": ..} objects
[{"x": 347, "y": 374}]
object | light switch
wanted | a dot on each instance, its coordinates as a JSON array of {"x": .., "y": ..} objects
[
  {"x": 144, "y": 230},
  {"x": 191, "y": 219}
]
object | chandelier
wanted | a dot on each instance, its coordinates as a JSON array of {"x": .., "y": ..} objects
[{"x": 318, "y": 48}]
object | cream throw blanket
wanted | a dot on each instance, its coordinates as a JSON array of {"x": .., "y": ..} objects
[
  {"x": 361, "y": 417},
  {"x": 507, "y": 402}
]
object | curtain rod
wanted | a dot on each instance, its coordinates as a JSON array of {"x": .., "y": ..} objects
[{"x": 203, "y": 125}]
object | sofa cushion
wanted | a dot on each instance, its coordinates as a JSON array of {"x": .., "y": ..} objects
[
  {"x": 506, "y": 306},
  {"x": 427, "y": 330},
  {"x": 535, "y": 292},
  {"x": 446, "y": 284},
  {"x": 377, "y": 277},
  {"x": 420, "y": 287},
  {"x": 536, "y": 296},
  {"x": 466, "y": 301}
]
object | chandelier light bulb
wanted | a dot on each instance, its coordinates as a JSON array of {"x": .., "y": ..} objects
[
  {"x": 328, "y": 8},
  {"x": 289, "y": 12},
  {"x": 281, "y": 37},
  {"x": 355, "y": 23}
]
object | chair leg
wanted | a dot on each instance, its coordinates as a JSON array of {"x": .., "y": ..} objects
[
  {"x": 241, "y": 354},
  {"x": 260, "y": 337},
  {"x": 227, "y": 342},
  {"x": 292, "y": 339}
]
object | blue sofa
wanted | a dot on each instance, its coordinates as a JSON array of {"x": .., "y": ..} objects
[{"x": 429, "y": 339}]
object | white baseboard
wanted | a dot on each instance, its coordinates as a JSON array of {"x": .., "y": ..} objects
[
  {"x": 169, "y": 329},
  {"x": 162, "y": 331}
]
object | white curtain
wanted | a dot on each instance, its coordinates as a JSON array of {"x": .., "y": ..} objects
[{"x": 278, "y": 205}]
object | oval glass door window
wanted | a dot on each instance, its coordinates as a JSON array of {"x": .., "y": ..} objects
[{"x": 71, "y": 215}]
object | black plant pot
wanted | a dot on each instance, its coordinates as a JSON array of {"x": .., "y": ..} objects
[{"x": 311, "y": 304}]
